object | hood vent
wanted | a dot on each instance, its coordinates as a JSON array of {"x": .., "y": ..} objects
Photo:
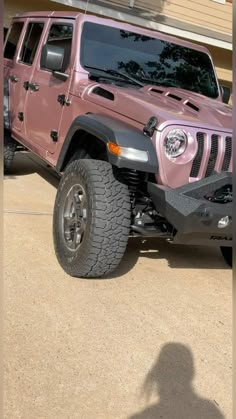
[
  {"x": 99, "y": 91},
  {"x": 156, "y": 91},
  {"x": 191, "y": 105},
  {"x": 174, "y": 96}
]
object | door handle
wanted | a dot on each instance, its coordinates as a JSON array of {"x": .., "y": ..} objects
[
  {"x": 14, "y": 79},
  {"x": 34, "y": 87}
]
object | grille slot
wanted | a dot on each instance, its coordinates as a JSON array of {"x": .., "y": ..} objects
[
  {"x": 198, "y": 158},
  {"x": 213, "y": 155},
  {"x": 228, "y": 154}
]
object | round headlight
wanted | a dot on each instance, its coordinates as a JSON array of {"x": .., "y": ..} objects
[{"x": 175, "y": 143}]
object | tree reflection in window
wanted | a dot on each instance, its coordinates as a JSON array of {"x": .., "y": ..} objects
[{"x": 151, "y": 60}]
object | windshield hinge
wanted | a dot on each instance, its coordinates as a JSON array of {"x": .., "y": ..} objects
[
  {"x": 63, "y": 101},
  {"x": 54, "y": 135},
  {"x": 150, "y": 126}
]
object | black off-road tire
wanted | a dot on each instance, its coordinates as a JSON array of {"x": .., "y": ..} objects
[
  {"x": 227, "y": 253},
  {"x": 8, "y": 152},
  {"x": 108, "y": 220}
]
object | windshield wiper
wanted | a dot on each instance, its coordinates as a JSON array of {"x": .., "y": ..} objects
[{"x": 116, "y": 73}]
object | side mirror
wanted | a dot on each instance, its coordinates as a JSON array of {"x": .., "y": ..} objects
[
  {"x": 52, "y": 58},
  {"x": 226, "y": 93}
]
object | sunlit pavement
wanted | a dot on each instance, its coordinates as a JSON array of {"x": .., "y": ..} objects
[{"x": 160, "y": 326}]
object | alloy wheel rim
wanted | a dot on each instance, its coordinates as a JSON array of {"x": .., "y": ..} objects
[{"x": 75, "y": 217}]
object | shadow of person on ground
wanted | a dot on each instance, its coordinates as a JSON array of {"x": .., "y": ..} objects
[{"x": 171, "y": 379}]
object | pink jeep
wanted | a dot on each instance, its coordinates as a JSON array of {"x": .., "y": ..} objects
[{"x": 136, "y": 124}]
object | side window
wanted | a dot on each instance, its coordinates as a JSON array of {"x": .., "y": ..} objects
[
  {"x": 5, "y": 30},
  {"x": 31, "y": 42},
  {"x": 12, "y": 40},
  {"x": 61, "y": 36}
]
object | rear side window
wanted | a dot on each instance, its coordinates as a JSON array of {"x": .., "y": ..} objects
[
  {"x": 61, "y": 36},
  {"x": 31, "y": 42},
  {"x": 12, "y": 40},
  {"x": 5, "y": 30}
]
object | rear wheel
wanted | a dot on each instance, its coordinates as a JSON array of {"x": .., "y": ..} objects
[
  {"x": 91, "y": 221},
  {"x": 9, "y": 151},
  {"x": 227, "y": 253}
]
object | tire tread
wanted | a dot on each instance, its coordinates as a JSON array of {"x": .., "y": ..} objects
[{"x": 110, "y": 226}]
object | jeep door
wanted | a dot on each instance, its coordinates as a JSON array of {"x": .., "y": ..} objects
[
  {"x": 18, "y": 60},
  {"x": 44, "y": 105}
]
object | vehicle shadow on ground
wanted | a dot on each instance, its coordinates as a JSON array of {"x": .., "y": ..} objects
[
  {"x": 170, "y": 379},
  {"x": 26, "y": 163},
  {"x": 177, "y": 256}
]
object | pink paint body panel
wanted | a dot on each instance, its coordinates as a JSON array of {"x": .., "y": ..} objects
[{"x": 43, "y": 113}]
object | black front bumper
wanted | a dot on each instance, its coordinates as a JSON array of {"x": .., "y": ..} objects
[{"x": 194, "y": 218}]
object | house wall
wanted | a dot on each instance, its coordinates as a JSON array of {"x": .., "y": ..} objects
[
  {"x": 205, "y": 13},
  {"x": 12, "y": 7}
]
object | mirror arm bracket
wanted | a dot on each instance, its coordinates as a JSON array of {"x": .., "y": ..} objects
[{"x": 61, "y": 76}]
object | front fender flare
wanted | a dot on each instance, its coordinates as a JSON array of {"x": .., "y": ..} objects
[{"x": 118, "y": 132}]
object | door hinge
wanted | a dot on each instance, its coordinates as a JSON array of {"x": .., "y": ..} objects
[
  {"x": 63, "y": 101},
  {"x": 26, "y": 85},
  {"x": 14, "y": 79},
  {"x": 21, "y": 116},
  {"x": 54, "y": 135}
]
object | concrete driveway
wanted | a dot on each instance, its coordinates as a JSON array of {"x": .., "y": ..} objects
[{"x": 152, "y": 341}]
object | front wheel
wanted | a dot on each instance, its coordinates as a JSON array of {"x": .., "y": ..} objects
[
  {"x": 227, "y": 253},
  {"x": 91, "y": 220}
]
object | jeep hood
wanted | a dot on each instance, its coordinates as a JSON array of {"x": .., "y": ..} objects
[{"x": 169, "y": 105}]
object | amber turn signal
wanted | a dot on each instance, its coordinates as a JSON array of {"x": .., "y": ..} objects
[
  {"x": 128, "y": 153},
  {"x": 114, "y": 148}
]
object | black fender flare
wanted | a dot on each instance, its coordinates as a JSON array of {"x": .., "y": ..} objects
[{"x": 108, "y": 129}]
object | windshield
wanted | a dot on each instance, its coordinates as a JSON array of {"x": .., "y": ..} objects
[{"x": 150, "y": 60}]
